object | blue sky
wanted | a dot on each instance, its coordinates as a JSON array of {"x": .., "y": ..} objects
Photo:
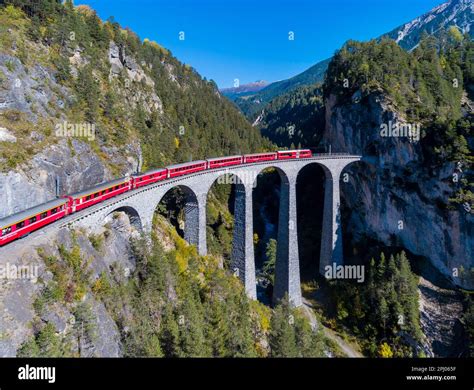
[{"x": 248, "y": 39}]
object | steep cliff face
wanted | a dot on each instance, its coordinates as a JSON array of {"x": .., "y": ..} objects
[
  {"x": 67, "y": 167},
  {"x": 64, "y": 271},
  {"x": 396, "y": 198}
]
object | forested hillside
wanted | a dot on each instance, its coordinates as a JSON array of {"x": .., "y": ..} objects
[
  {"x": 106, "y": 75},
  {"x": 174, "y": 303},
  {"x": 291, "y": 119},
  {"x": 429, "y": 86}
]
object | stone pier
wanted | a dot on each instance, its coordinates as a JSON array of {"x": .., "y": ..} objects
[
  {"x": 287, "y": 267},
  {"x": 331, "y": 236},
  {"x": 243, "y": 260}
]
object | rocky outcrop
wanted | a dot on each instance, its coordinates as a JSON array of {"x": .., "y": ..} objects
[
  {"x": 33, "y": 90},
  {"x": 18, "y": 316},
  {"x": 73, "y": 166},
  {"x": 440, "y": 314},
  {"x": 6, "y": 135},
  {"x": 122, "y": 64},
  {"x": 396, "y": 199}
]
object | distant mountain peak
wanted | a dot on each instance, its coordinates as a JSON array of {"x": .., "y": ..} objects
[
  {"x": 245, "y": 88},
  {"x": 457, "y": 13}
]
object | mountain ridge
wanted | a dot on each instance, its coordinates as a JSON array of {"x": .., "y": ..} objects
[{"x": 406, "y": 35}]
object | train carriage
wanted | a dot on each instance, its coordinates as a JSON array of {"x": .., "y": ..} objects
[
  {"x": 99, "y": 193},
  {"x": 291, "y": 154},
  {"x": 23, "y": 223},
  {"x": 186, "y": 168},
  {"x": 258, "y": 157},
  {"x": 149, "y": 177},
  {"x": 220, "y": 162}
]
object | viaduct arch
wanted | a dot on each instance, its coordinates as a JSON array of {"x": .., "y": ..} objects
[{"x": 140, "y": 204}]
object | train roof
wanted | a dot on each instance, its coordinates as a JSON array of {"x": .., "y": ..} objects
[
  {"x": 185, "y": 164},
  {"x": 156, "y": 170},
  {"x": 223, "y": 158},
  {"x": 294, "y": 150},
  {"x": 259, "y": 154},
  {"x": 98, "y": 187},
  {"x": 32, "y": 211}
]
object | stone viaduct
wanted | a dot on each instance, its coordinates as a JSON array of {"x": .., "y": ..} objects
[{"x": 140, "y": 205}]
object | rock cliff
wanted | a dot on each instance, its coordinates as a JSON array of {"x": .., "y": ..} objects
[{"x": 396, "y": 198}]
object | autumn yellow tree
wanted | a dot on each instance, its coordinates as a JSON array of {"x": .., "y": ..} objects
[{"x": 385, "y": 351}]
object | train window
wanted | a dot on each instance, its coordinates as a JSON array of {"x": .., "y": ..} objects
[
  {"x": 7, "y": 230},
  {"x": 21, "y": 224},
  {"x": 33, "y": 219},
  {"x": 44, "y": 215},
  {"x": 54, "y": 211},
  {"x": 88, "y": 197}
]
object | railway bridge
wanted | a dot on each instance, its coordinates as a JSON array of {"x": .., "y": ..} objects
[{"x": 140, "y": 204}]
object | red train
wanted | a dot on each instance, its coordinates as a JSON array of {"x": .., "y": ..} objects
[
  {"x": 150, "y": 177},
  {"x": 186, "y": 168},
  {"x": 23, "y": 223}
]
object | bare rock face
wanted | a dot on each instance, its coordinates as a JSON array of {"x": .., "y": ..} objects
[
  {"x": 6, "y": 135},
  {"x": 74, "y": 167},
  {"x": 394, "y": 198},
  {"x": 33, "y": 91},
  {"x": 145, "y": 96},
  {"x": 16, "y": 298},
  {"x": 440, "y": 313}
]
